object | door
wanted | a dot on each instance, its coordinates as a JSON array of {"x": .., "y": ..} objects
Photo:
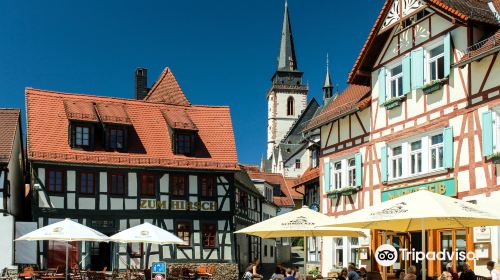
[{"x": 100, "y": 256}]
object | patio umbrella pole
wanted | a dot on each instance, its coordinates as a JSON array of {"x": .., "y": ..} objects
[
  {"x": 305, "y": 254},
  {"x": 384, "y": 241},
  {"x": 67, "y": 249},
  {"x": 424, "y": 273}
]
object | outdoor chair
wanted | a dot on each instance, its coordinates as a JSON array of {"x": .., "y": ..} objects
[
  {"x": 116, "y": 275},
  {"x": 91, "y": 275},
  {"x": 8, "y": 274}
]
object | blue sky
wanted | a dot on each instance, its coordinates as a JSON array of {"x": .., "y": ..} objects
[{"x": 221, "y": 52}]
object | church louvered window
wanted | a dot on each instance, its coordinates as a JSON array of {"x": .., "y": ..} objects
[{"x": 290, "y": 104}]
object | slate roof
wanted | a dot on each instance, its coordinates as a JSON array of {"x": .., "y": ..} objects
[
  {"x": 47, "y": 133},
  {"x": 9, "y": 123},
  {"x": 466, "y": 10},
  {"x": 354, "y": 97},
  {"x": 167, "y": 90}
]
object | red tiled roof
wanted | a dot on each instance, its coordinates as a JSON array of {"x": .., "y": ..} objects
[
  {"x": 354, "y": 97},
  {"x": 179, "y": 118},
  {"x": 167, "y": 90},
  {"x": 275, "y": 179},
  {"x": 294, "y": 192},
  {"x": 483, "y": 47},
  {"x": 112, "y": 113},
  {"x": 9, "y": 121},
  {"x": 79, "y": 110},
  {"x": 476, "y": 10},
  {"x": 309, "y": 175},
  {"x": 47, "y": 126}
]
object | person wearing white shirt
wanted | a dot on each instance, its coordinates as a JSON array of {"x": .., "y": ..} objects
[{"x": 495, "y": 274}]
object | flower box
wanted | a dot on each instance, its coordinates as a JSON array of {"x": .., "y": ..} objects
[
  {"x": 393, "y": 102},
  {"x": 343, "y": 191},
  {"x": 434, "y": 86},
  {"x": 495, "y": 158}
]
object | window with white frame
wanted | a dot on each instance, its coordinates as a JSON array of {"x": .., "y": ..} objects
[
  {"x": 396, "y": 161},
  {"x": 337, "y": 174},
  {"x": 351, "y": 172},
  {"x": 435, "y": 63},
  {"x": 436, "y": 151},
  {"x": 395, "y": 79},
  {"x": 416, "y": 157},
  {"x": 496, "y": 131}
]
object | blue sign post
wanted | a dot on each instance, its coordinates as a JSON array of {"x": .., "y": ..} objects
[{"x": 158, "y": 271}]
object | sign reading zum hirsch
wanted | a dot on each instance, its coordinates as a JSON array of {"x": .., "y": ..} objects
[
  {"x": 446, "y": 187},
  {"x": 152, "y": 204}
]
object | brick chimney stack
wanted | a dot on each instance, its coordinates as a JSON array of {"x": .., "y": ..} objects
[{"x": 141, "y": 83}]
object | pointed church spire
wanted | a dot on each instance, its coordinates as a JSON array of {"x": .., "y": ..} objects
[
  {"x": 286, "y": 58},
  {"x": 327, "y": 85}
]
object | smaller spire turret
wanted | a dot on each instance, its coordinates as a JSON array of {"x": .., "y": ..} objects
[{"x": 327, "y": 85}]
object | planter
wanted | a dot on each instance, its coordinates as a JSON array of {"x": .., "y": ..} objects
[
  {"x": 343, "y": 191},
  {"x": 495, "y": 158},
  {"x": 393, "y": 102},
  {"x": 433, "y": 86}
]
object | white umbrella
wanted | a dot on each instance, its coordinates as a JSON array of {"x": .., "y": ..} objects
[
  {"x": 419, "y": 210},
  {"x": 302, "y": 222},
  {"x": 146, "y": 233},
  {"x": 65, "y": 230}
]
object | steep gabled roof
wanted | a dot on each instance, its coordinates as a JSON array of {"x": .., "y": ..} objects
[
  {"x": 150, "y": 143},
  {"x": 464, "y": 10},
  {"x": 167, "y": 90},
  {"x": 287, "y": 60},
  {"x": 354, "y": 97},
  {"x": 9, "y": 122}
]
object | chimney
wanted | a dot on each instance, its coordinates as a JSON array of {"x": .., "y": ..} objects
[{"x": 141, "y": 83}]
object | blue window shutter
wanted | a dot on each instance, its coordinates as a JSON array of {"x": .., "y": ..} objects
[
  {"x": 359, "y": 169},
  {"x": 326, "y": 176},
  {"x": 487, "y": 133},
  {"x": 406, "y": 74},
  {"x": 383, "y": 164},
  {"x": 447, "y": 54},
  {"x": 417, "y": 68},
  {"x": 448, "y": 147},
  {"x": 381, "y": 85}
]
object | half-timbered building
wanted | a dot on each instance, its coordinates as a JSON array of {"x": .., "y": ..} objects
[
  {"x": 431, "y": 121},
  {"x": 113, "y": 163},
  {"x": 13, "y": 206}
]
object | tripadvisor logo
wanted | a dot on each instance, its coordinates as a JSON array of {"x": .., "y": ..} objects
[{"x": 387, "y": 255}]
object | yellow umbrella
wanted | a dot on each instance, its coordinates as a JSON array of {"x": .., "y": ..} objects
[
  {"x": 419, "y": 210},
  {"x": 302, "y": 222}
]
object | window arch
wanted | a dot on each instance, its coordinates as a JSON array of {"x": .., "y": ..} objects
[{"x": 290, "y": 106}]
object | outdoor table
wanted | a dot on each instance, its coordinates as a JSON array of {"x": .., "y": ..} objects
[{"x": 51, "y": 277}]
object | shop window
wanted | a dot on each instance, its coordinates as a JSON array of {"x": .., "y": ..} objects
[
  {"x": 209, "y": 235},
  {"x": 178, "y": 185},
  {"x": 135, "y": 250},
  {"x": 55, "y": 181},
  {"x": 116, "y": 183},
  {"x": 56, "y": 254},
  {"x": 148, "y": 185},
  {"x": 86, "y": 182},
  {"x": 208, "y": 186},
  {"x": 184, "y": 233},
  {"x": 452, "y": 241}
]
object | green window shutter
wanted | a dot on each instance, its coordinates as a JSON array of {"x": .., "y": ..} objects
[
  {"x": 448, "y": 147},
  {"x": 359, "y": 170},
  {"x": 381, "y": 85},
  {"x": 326, "y": 176},
  {"x": 383, "y": 164},
  {"x": 447, "y": 54},
  {"x": 487, "y": 133},
  {"x": 406, "y": 74},
  {"x": 417, "y": 68}
]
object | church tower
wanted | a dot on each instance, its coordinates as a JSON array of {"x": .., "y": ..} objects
[{"x": 287, "y": 97}]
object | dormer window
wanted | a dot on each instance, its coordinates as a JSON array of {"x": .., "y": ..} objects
[
  {"x": 116, "y": 137},
  {"x": 184, "y": 142},
  {"x": 81, "y": 135}
]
